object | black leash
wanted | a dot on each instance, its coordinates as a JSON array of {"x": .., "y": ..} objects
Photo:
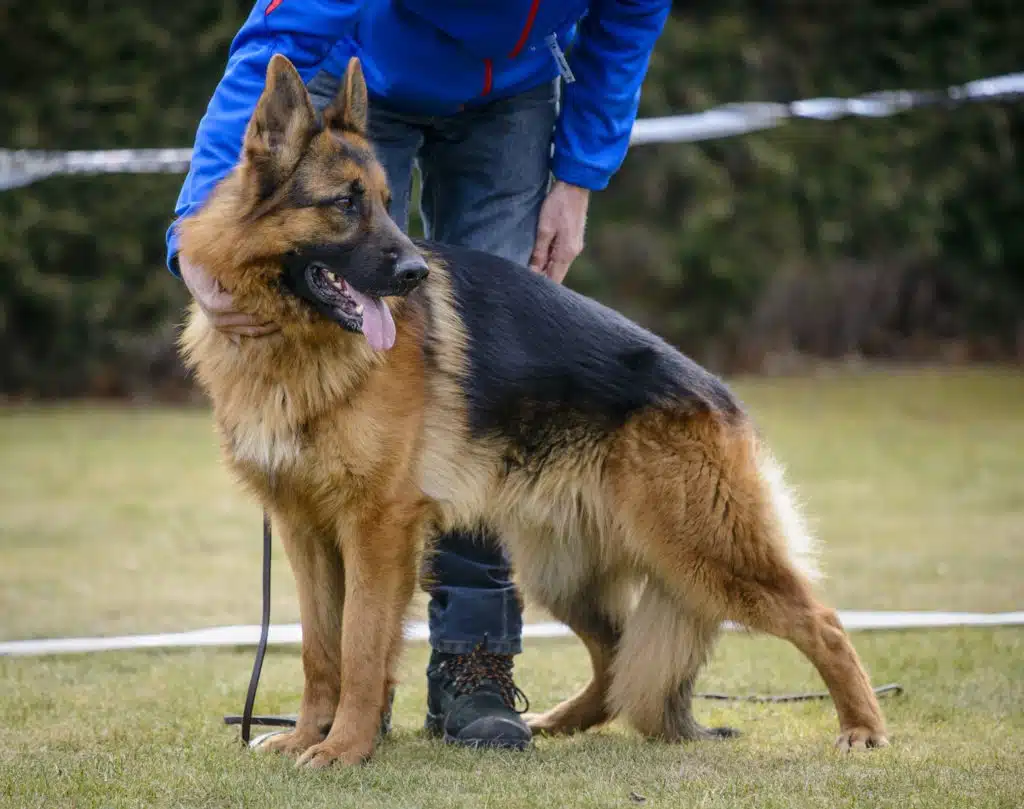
[
  {"x": 247, "y": 720},
  {"x": 882, "y": 690}
]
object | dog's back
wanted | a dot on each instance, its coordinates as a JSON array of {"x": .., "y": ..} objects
[{"x": 535, "y": 347}]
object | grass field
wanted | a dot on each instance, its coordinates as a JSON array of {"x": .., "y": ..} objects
[{"x": 121, "y": 520}]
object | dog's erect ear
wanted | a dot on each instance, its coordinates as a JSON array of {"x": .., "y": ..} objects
[
  {"x": 282, "y": 124},
  {"x": 348, "y": 111}
]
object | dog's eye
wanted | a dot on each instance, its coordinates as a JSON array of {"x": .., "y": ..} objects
[{"x": 348, "y": 203}]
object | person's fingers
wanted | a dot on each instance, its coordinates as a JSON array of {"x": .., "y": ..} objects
[
  {"x": 551, "y": 264},
  {"x": 212, "y": 297},
  {"x": 260, "y": 330},
  {"x": 542, "y": 246},
  {"x": 244, "y": 325},
  {"x": 218, "y": 301},
  {"x": 231, "y": 320},
  {"x": 219, "y": 307},
  {"x": 208, "y": 292},
  {"x": 561, "y": 256},
  {"x": 561, "y": 259}
]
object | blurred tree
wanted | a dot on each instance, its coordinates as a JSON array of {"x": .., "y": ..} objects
[
  {"x": 86, "y": 305},
  {"x": 890, "y": 237},
  {"x": 904, "y": 229}
]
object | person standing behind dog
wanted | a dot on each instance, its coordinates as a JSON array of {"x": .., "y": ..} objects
[{"x": 483, "y": 98}]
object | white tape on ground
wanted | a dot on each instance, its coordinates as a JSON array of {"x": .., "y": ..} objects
[{"x": 291, "y": 634}]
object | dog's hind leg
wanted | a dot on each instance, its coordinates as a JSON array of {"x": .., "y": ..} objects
[
  {"x": 776, "y": 600},
  {"x": 708, "y": 510},
  {"x": 767, "y": 586},
  {"x": 816, "y": 631},
  {"x": 320, "y": 581},
  {"x": 588, "y": 707}
]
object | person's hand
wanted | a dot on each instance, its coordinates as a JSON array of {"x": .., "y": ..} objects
[
  {"x": 218, "y": 305},
  {"x": 563, "y": 218}
]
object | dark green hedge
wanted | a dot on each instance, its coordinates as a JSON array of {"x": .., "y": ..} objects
[
  {"x": 890, "y": 237},
  {"x": 905, "y": 230},
  {"x": 88, "y": 306}
]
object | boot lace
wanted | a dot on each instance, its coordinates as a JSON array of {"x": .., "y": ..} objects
[{"x": 468, "y": 672}]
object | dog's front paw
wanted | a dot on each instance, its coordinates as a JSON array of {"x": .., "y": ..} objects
[
  {"x": 291, "y": 743},
  {"x": 330, "y": 751},
  {"x": 860, "y": 738}
]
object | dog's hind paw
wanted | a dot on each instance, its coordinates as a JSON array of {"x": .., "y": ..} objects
[
  {"x": 860, "y": 738},
  {"x": 692, "y": 731}
]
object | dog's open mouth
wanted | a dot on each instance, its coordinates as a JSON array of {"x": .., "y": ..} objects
[{"x": 354, "y": 310}]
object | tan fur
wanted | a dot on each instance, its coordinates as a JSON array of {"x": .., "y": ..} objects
[
  {"x": 714, "y": 528},
  {"x": 643, "y": 542}
]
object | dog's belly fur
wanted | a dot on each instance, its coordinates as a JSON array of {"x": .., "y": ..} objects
[{"x": 551, "y": 524}]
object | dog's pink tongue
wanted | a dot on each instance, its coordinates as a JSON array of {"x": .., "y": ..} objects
[{"x": 378, "y": 325}]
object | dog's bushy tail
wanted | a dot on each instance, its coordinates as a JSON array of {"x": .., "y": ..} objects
[
  {"x": 783, "y": 519},
  {"x": 662, "y": 648}
]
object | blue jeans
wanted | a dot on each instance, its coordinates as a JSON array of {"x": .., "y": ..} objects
[{"x": 484, "y": 173}]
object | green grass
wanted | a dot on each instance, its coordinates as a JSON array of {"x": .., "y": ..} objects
[
  {"x": 122, "y": 520},
  {"x": 143, "y": 729}
]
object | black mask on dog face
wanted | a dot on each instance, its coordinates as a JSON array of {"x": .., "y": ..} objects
[{"x": 346, "y": 283}]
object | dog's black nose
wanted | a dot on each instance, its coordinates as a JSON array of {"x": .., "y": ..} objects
[{"x": 411, "y": 270}]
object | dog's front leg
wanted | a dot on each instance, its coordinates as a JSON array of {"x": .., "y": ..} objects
[
  {"x": 316, "y": 561},
  {"x": 380, "y": 573}
]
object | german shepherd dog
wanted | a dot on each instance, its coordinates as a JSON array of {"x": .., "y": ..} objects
[{"x": 416, "y": 387}]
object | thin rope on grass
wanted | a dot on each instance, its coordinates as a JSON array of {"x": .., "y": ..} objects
[{"x": 894, "y": 689}]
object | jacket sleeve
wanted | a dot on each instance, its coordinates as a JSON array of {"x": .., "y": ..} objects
[
  {"x": 303, "y": 30},
  {"x": 609, "y": 60}
]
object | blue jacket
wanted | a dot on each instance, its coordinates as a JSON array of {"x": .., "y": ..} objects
[{"x": 435, "y": 57}]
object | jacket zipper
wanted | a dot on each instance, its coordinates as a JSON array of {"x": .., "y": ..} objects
[
  {"x": 530, "y": 17},
  {"x": 488, "y": 76},
  {"x": 520, "y": 44}
]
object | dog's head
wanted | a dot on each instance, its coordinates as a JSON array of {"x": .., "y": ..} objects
[{"x": 306, "y": 213}]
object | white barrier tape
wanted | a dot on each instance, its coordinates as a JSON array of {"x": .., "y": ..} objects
[
  {"x": 291, "y": 634},
  {"x": 739, "y": 119},
  {"x": 23, "y": 167}
]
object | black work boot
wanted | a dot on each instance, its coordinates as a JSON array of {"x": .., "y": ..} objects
[{"x": 471, "y": 700}]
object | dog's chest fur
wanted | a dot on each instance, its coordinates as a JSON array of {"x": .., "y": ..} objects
[{"x": 271, "y": 445}]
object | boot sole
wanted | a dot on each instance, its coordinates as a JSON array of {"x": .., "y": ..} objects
[{"x": 434, "y": 726}]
